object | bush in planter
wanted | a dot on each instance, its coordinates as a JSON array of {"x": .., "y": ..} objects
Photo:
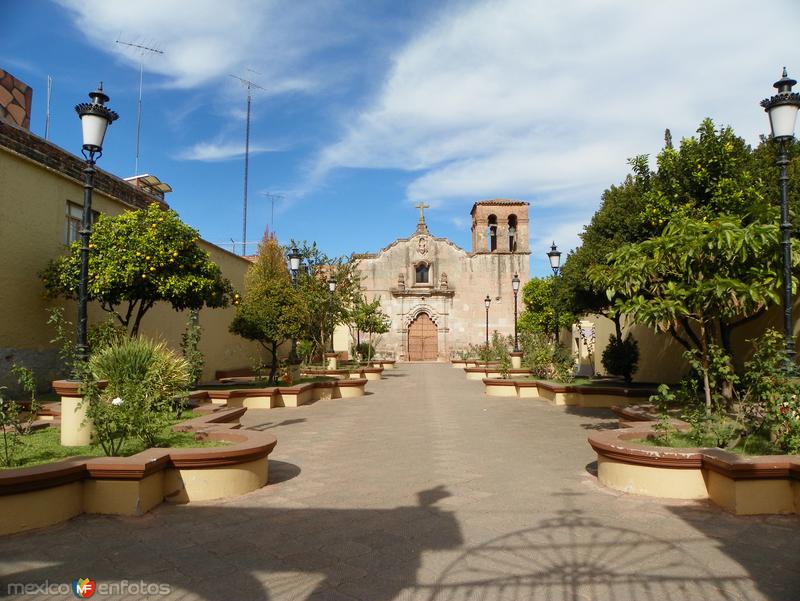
[
  {"x": 770, "y": 398},
  {"x": 760, "y": 414},
  {"x": 16, "y": 421},
  {"x": 144, "y": 380},
  {"x": 621, "y": 357},
  {"x": 363, "y": 352},
  {"x": 545, "y": 358}
]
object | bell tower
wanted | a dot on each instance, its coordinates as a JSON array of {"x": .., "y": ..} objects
[{"x": 500, "y": 226}]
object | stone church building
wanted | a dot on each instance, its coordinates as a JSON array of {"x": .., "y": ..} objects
[{"x": 434, "y": 291}]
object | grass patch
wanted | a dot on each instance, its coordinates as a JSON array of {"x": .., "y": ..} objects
[
  {"x": 752, "y": 445},
  {"x": 44, "y": 446}
]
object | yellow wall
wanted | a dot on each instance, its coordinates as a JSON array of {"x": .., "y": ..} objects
[
  {"x": 661, "y": 357},
  {"x": 32, "y": 220}
]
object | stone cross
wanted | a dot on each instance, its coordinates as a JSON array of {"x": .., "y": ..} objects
[{"x": 422, "y": 206}]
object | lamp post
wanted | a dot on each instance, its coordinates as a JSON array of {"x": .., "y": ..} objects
[
  {"x": 782, "y": 110},
  {"x": 294, "y": 266},
  {"x": 515, "y": 288},
  {"x": 486, "y": 302},
  {"x": 332, "y": 289},
  {"x": 95, "y": 118},
  {"x": 555, "y": 264},
  {"x": 294, "y": 263}
]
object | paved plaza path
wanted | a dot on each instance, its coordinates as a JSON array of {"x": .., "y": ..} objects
[{"x": 426, "y": 489}]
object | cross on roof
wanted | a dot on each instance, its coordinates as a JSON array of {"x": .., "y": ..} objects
[{"x": 422, "y": 206}]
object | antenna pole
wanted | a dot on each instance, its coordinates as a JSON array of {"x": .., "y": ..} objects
[
  {"x": 250, "y": 85},
  {"x": 138, "y": 121},
  {"x": 246, "y": 168},
  {"x": 47, "y": 115},
  {"x": 142, "y": 50}
]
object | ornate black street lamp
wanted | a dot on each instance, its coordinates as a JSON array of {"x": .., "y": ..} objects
[
  {"x": 294, "y": 263},
  {"x": 555, "y": 264},
  {"x": 515, "y": 288},
  {"x": 782, "y": 110},
  {"x": 294, "y": 266},
  {"x": 332, "y": 289},
  {"x": 95, "y": 119},
  {"x": 486, "y": 302}
]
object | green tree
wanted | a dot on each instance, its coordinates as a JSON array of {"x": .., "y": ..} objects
[
  {"x": 368, "y": 317},
  {"x": 619, "y": 220},
  {"x": 697, "y": 280},
  {"x": 325, "y": 309},
  {"x": 538, "y": 314},
  {"x": 137, "y": 259},
  {"x": 271, "y": 311}
]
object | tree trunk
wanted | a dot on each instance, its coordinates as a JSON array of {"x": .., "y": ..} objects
[
  {"x": 704, "y": 360},
  {"x": 273, "y": 370},
  {"x": 617, "y": 326}
]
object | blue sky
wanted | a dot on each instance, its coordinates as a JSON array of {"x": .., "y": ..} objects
[{"x": 371, "y": 107}]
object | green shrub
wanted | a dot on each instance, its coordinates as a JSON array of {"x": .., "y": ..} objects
[
  {"x": 146, "y": 381},
  {"x": 770, "y": 398},
  {"x": 190, "y": 345},
  {"x": 15, "y": 420},
  {"x": 363, "y": 352},
  {"x": 621, "y": 357},
  {"x": 545, "y": 358},
  {"x": 305, "y": 351}
]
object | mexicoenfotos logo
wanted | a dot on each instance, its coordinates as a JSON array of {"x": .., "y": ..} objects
[{"x": 84, "y": 587}]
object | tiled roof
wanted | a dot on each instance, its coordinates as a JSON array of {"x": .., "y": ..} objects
[{"x": 499, "y": 202}]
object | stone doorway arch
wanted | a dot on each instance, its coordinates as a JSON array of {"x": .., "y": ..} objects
[{"x": 423, "y": 339}]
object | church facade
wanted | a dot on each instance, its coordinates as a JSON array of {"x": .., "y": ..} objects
[{"x": 434, "y": 291}]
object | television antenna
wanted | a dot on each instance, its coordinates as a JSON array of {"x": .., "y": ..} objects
[
  {"x": 272, "y": 196},
  {"x": 249, "y": 85},
  {"x": 142, "y": 50}
]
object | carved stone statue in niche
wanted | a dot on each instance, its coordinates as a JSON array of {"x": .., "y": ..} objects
[
  {"x": 443, "y": 281},
  {"x": 422, "y": 245},
  {"x": 401, "y": 281}
]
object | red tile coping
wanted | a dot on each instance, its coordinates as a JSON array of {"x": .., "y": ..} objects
[
  {"x": 636, "y": 413},
  {"x": 342, "y": 371},
  {"x": 476, "y": 370},
  {"x": 619, "y": 445},
  {"x": 202, "y": 395},
  {"x": 223, "y": 424},
  {"x": 586, "y": 390},
  {"x": 72, "y": 387}
]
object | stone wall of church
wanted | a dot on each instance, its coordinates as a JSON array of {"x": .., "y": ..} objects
[{"x": 453, "y": 297}]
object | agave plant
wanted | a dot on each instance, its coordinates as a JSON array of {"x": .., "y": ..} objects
[{"x": 144, "y": 379}]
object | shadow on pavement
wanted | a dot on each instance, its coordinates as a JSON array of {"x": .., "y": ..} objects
[{"x": 223, "y": 552}]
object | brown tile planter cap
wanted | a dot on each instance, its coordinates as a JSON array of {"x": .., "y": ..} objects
[
  {"x": 248, "y": 446},
  {"x": 619, "y": 445},
  {"x": 72, "y": 387}
]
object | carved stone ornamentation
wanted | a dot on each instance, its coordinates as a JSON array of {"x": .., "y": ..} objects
[{"x": 422, "y": 245}]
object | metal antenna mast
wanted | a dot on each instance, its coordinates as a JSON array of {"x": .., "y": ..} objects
[
  {"x": 273, "y": 196},
  {"x": 47, "y": 115},
  {"x": 250, "y": 85},
  {"x": 142, "y": 50}
]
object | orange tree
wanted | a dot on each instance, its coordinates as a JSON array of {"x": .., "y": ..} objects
[{"x": 137, "y": 259}]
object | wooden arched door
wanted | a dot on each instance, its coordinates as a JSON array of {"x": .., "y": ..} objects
[{"x": 423, "y": 344}]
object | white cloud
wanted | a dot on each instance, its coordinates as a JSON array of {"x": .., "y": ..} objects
[
  {"x": 204, "y": 40},
  {"x": 545, "y": 101},
  {"x": 223, "y": 151}
]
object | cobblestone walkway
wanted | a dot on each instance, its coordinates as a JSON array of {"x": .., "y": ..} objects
[{"x": 426, "y": 489}]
